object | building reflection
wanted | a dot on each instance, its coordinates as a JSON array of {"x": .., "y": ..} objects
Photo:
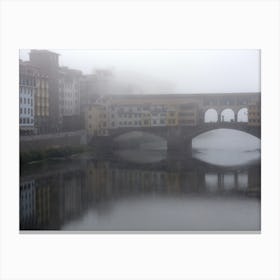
[{"x": 54, "y": 198}]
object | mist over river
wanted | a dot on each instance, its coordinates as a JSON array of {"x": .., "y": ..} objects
[{"x": 146, "y": 189}]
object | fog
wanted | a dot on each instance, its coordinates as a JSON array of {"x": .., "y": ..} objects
[{"x": 171, "y": 71}]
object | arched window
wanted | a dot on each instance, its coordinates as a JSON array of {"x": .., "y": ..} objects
[
  {"x": 242, "y": 115},
  {"x": 227, "y": 115},
  {"x": 211, "y": 115}
]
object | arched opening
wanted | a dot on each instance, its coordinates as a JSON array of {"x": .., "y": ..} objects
[
  {"x": 227, "y": 115},
  {"x": 242, "y": 115},
  {"x": 211, "y": 115},
  {"x": 226, "y": 147}
]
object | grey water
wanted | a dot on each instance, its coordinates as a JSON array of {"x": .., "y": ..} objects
[{"x": 144, "y": 189}]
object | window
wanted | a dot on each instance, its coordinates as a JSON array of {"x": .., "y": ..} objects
[
  {"x": 20, "y": 100},
  {"x": 20, "y": 110},
  {"x": 24, "y": 110},
  {"x": 24, "y": 101}
]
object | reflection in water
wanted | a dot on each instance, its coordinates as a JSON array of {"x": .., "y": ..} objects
[
  {"x": 141, "y": 155},
  {"x": 148, "y": 189},
  {"x": 227, "y": 158},
  {"x": 119, "y": 195}
]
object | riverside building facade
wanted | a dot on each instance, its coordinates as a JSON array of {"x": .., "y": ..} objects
[
  {"x": 27, "y": 87},
  {"x": 48, "y": 63},
  {"x": 69, "y": 98},
  {"x": 42, "y": 103}
]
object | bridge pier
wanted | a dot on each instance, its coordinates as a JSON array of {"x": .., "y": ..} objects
[
  {"x": 179, "y": 146},
  {"x": 103, "y": 144}
]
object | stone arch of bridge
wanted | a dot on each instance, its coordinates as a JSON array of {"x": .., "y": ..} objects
[{"x": 227, "y": 125}]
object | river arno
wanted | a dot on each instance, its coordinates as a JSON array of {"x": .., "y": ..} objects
[{"x": 154, "y": 193}]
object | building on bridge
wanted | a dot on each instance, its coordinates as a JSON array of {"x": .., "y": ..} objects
[
  {"x": 139, "y": 112},
  {"x": 134, "y": 112},
  {"x": 254, "y": 114},
  {"x": 96, "y": 120},
  {"x": 188, "y": 114}
]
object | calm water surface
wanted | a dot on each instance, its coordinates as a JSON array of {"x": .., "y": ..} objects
[{"x": 146, "y": 190}]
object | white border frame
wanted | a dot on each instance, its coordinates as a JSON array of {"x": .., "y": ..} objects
[{"x": 146, "y": 25}]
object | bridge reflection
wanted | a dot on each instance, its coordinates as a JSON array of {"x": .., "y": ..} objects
[{"x": 51, "y": 198}]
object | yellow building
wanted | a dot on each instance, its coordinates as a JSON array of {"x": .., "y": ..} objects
[
  {"x": 42, "y": 103},
  {"x": 188, "y": 114},
  {"x": 172, "y": 116},
  {"x": 96, "y": 120},
  {"x": 254, "y": 114},
  {"x": 146, "y": 119}
]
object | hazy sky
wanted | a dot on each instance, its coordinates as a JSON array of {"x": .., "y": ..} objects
[{"x": 180, "y": 71}]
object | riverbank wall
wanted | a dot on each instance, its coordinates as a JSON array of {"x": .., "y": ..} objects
[{"x": 41, "y": 143}]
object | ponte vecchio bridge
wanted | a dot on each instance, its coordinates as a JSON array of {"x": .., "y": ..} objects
[{"x": 179, "y": 118}]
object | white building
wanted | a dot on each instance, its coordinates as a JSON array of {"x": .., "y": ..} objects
[
  {"x": 125, "y": 116},
  {"x": 158, "y": 115},
  {"x": 27, "y": 88}
]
